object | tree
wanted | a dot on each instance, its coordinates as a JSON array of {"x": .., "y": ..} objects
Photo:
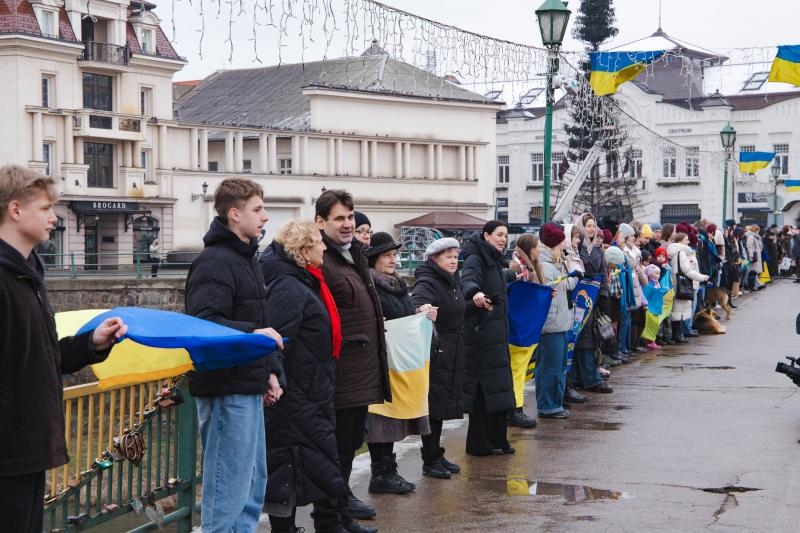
[{"x": 594, "y": 24}]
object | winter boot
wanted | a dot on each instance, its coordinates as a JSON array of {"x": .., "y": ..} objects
[
  {"x": 452, "y": 467},
  {"x": 385, "y": 479},
  {"x": 677, "y": 333},
  {"x": 432, "y": 465},
  {"x": 516, "y": 417}
]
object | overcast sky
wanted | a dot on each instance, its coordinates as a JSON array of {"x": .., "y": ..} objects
[{"x": 718, "y": 25}]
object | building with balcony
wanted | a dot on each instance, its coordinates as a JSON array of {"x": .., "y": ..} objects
[{"x": 685, "y": 99}]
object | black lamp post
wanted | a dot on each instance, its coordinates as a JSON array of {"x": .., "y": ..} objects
[
  {"x": 775, "y": 169},
  {"x": 728, "y": 138}
]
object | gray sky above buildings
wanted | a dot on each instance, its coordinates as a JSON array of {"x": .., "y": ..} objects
[{"x": 718, "y": 25}]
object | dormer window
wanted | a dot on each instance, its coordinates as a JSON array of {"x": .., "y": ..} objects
[
  {"x": 756, "y": 81},
  {"x": 48, "y": 21},
  {"x": 147, "y": 41}
]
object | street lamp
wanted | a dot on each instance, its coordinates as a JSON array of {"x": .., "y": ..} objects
[
  {"x": 196, "y": 197},
  {"x": 775, "y": 169},
  {"x": 553, "y": 16},
  {"x": 728, "y": 138}
]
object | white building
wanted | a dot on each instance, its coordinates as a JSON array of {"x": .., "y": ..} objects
[{"x": 686, "y": 99}]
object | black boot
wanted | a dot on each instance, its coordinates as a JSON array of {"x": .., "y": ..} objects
[
  {"x": 432, "y": 465},
  {"x": 355, "y": 527},
  {"x": 452, "y": 467},
  {"x": 386, "y": 480},
  {"x": 572, "y": 396},
  {"x": 677, "y": 333},
  {"x": 358, "y": 509},
  {"x": 519, "y": 419}
]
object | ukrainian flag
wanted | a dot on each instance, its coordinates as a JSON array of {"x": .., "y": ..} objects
[
  {"x": 786, "y": 65},
  {"x": 528, "y": 304},
  {"x": 792, "y": 185},
  {"x": 161, "y": 344},
  {"x": 611, "y": 69},
  {"x": 749, "y": 162}
]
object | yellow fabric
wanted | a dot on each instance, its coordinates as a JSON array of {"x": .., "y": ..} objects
[
  {"x": 531, "y": 366},
  {"x": 763, "y": 277},
  {"x": 652, "y": 323},
  {"x": 409, "y": 394},
  {"x": 129, "y": 362},
  {"x": 785, "y": 71},
  {"x": 752, "y": 166},
  {"x": 518, "y": 486},
  {"x": 604, "y": 83},
  {"x": 520, "y": 358}
]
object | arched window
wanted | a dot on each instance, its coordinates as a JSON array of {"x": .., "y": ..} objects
[{"x": 145, "y": 230}]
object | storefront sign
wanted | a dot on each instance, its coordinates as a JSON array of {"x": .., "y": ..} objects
[{"x": 106, "y": 206}]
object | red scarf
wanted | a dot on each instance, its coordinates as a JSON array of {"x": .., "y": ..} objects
[{"x": 333, "y": 312}]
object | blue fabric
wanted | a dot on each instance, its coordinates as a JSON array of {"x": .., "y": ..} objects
[
  {"x": 234, "y": 462},
  {"x": 528, "y": 304},
  {"x": 584, "y": 295},
  {"x": 655, "y": 298},
  {"x": 617, "y": 61},
  {"x": 626, "y": 280},
  {"x": 666, "y": 276},
  {"x": 551, "y": 372},
  {"x": 210, "y": 346},
  {"x": 624, "y": 332}
]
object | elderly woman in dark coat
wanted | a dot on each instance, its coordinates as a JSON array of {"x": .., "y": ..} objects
[
  {"x": 436, "y": 290},
  {"x": 584, "y": 372},
  {"x": 382, "y": 431},
  {"x": 488, "y": 391},
  {"x": 302, "y": 458}
]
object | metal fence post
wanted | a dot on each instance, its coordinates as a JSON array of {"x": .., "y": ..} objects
[
  {"x": 187, "y": 457},
  {"x": 137, "y": 260},
  {"x": 72, "y": 271}
]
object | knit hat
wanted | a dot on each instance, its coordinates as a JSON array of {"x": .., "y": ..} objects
[
  {"x": 551, "y": 235},
  {"x": 361, "y": 219},
  {"x": 660, "y": 251},
  {"x": 626, "y": 230},
  {"x": 646, "y": 231},
  {"x": 652, "y": 271},
  {"x": 440, "y": 245},
  {"x": 614, "y": 256},
  {"x": 381, "y": 242},
  {"x": 607, "y": 237},
  {"x": 655, "y": 226}
]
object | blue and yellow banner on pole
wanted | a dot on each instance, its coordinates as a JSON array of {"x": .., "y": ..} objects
[
  {"x": 749, "y": 162},
  {"x": 161, "y": 344},
  {"x": 786, "y": 65},
  {"x": 611, "y": 69}
]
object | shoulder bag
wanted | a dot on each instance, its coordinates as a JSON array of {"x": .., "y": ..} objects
[{"x": 684, "y": 288}]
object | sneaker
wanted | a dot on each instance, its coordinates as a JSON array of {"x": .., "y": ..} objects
[
  {"x": 653, "y": 346},
  {"x": 558, "y": 414}
]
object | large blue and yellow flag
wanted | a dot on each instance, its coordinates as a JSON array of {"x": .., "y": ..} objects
[
  {"x": 792, "y": 185},
  {"x": 749, "y": 162},
  {"x": 611, "y": 69},
  {"x": 162, "y": 344},
  {"x": 408, "y": 342},
  {"x": 786, "y": 65},
  {"x": 528, "y": 305},
  {"x": 584, "y": 296}
]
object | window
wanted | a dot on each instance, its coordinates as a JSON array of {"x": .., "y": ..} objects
[
  {"x": 47, "y": 23},
  {"x": 47, "y": 157},
  {"x": 555, "y": 160},
  {"x": 47, "y": 90},
  {"x": 529, "y": 97},
  {"x": 100, "y": 158},
  {"x": 502, "y": 168},
  {"x": 633, "y": 163},
  {"x": 537, "y": 167},
  {"x": 147, "y": 42},
  {"x": 285, "y": 166},
  {"x": 670, "y": 166},
  {"x": 144, "y": 160},
  {"x": 674, "y": 213},
  {"x": 756, "y": 81},
  {"x": 213, "y": 166},
  {"x": 693, "y": 162},
  {"x": 493, "y": 95},
  {"x": 782, "y": 156},
  {"x": 97, "y": 91},
  {"x": 247, "y": 166},
  {"x": 145, "y": 101}
]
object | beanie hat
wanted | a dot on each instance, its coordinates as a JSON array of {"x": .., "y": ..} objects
[
  {"x": 652, "y": 271},
  {"x": 551, "y": 235},
  {"x": 647, "y": 231},
  {"x": 614, "y": 256},
  {"x": 607, "y": 237},
  {"x": 626, "y": 230},
  {"x": 660, "y": 251},
  {"x": 361, "y": 219},
  {"x": 655, "y": 226}
]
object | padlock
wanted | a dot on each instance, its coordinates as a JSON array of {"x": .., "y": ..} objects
[
  {"x": 170, "y": 398},
  {"x": 78, "y": 519},
  {"x": 103, "y": 464},
  {"x": 137, "y": 506}
]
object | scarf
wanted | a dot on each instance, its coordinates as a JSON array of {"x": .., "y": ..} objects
[{"x": 333, "y": 312}]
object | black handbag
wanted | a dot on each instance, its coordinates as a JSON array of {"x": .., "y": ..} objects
[{"x": 684, "y": 288}]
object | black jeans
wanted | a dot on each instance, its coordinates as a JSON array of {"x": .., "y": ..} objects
[
  {"x": 22, "y": 503},
  {"x": 486, "y": 431},
  {"x": 432, "y": 441}
]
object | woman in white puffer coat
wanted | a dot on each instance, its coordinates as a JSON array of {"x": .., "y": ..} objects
[{"x": 684, "y": 260}]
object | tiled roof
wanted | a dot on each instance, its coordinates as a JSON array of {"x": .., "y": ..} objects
[
  {"x": 273, "y": 96},
  {"x": 132, "y": 40},
  {"x": 65, "y": 31},
  {"x": 16, "y": 16},
  {"x": 163, "y": 46}
]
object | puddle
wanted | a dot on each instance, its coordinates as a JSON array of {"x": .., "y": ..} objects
[
  {"x": 604, "y": 407},
  {"x": 730, "y": 489},
  {"x": 694, "y": 366},
  {"x": 572, "y": 494},
  {"x": 594, "y": 425}
]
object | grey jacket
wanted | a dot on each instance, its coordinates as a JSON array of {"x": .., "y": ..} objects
[{"x": 560, "y": 316}]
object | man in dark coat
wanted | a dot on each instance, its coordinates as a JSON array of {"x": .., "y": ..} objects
[
  {"x": 362, "y": 371},
  {"x": 226, "y": 285},
  {"x": 32, "y": 358}
]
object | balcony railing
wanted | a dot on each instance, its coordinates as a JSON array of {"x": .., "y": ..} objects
[{"x": 106, "y": 53}]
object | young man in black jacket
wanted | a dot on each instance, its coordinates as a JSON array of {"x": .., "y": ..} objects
[
  {"x": 32, "y": 358},
  {"x": 226, "y": 285}
]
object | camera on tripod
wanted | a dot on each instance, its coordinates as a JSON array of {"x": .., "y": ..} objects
[{"x": 792, "y": 370}]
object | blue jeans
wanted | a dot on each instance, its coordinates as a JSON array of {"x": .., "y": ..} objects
[
  {"x": 624, "y": 333},
  {"x": 584, "y": 369},
  {"x": 550, "y": 375},
  {"x": 234, "y": 462}
]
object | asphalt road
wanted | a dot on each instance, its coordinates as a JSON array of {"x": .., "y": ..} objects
[{"x": 698, "y": 438}]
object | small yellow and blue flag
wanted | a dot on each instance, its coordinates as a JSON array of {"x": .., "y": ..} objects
[
  {"x": 749, "y": 162},
  {"x": 611, "y": 69},
  {"x": 786, "y": 65},
  {"x": 792, "y": 185}
]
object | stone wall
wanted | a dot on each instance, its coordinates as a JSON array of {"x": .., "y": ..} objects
[{"x": 90, "y": 293}]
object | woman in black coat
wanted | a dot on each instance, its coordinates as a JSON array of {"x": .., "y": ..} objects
[
  {"x": 302, "y": 458},
  {"x": 488, "y": 390},
  {"x": 436, "y": 289}
]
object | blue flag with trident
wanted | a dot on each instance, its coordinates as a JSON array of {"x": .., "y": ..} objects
[{"x": 584, "y": 296}]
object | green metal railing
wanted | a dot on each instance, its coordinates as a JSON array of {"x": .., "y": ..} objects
[{"x": 79, "y": 265}]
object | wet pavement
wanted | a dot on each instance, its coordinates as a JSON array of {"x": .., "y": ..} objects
[{"x": 702, "y": 437}]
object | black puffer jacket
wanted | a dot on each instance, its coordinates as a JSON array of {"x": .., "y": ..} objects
[
  {"x": 32, "y": 360},
  {"x": 362, "y": 371},
  {"x": 393, "y": 294},
  {"x": 594, "y": 264},
  {"x": 225, "y": 285},
  {"x": 486, "y": 332},
  {"x": 439, "y": 288},
  {"x": 301, "y": 427}
]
